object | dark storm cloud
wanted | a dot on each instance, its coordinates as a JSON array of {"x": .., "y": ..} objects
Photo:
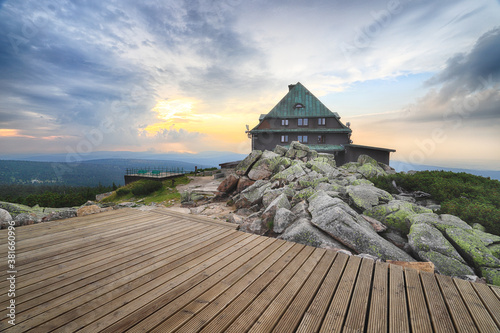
[
  {"x": 468, "y": 87},
  {"x": 471, "y": 69}
]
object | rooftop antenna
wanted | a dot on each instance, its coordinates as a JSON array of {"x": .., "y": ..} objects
[
  {"x": 348, "y": 124},
  {"x": 248, "y": 131}
]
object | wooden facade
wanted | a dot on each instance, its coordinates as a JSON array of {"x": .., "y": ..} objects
[{"x": 300, "y": 116}]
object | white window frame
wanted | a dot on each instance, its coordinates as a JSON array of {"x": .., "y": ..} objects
[
  {"x": 284, "y": 138},
  {"x": 321, "y": 121},
  {"x": 284, "y": 122}
]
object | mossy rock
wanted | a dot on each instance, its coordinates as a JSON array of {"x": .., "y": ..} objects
[
  {"x": 492, "y": 275},
  {"x": 290, "y": 174},
  {"x": 312, "y": 182},
  {"x": 369, "y": 170},
  {"x": 472, "y": 247},
  {"x": 365, "y": 159},
  {"x": 244, "y": 166},
  {"x": 446, "y": 265},
  {"x": 303, "y": 194},
  {"x": 441, "y": 222},
  {"x": 396, "y": 214}
]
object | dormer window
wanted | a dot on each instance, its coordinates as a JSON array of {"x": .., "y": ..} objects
[{"x": 299, "y": 105}]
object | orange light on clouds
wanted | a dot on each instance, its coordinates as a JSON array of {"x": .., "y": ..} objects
[{"x": 9, "y": 132}]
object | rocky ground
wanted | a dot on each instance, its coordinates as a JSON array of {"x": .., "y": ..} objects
[{"x": 301, "y": 196}]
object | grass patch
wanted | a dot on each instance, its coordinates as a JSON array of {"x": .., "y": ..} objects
[{"x": 149, "y": 190}]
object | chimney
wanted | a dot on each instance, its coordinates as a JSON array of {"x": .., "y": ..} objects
[{"x": 290, "y": 86}]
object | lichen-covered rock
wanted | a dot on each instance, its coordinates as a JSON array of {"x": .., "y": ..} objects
[
  {"x": 5, "y": 218},
  {"x": 25, "y": 219},
  {"x": 237, "y": 219},
  {"x": 59, "y": 215},
  {"x": 364, "y": 197},
  {"x": 446, "y": 265},
  {"x": 267, "y": 166},
  {"x": 282, "y": 220},
  {"x": 228, "y": 184},
  {"x": 323, "y": 168},
  {"x": 88, "y": 210},
  {"x": 271, "y": 194},
  {"x": 252, "y": 195},
  {"x": 254, "y": 226},
  {"x": 369, "y": 170},
  {"x": 244, "y": 183},
  {"x": 365, "y": 159},
  {"x": 300, "y": 209},
  {"x": 245, "y": 165},
  {"x": 441, "y": 222},
  {"x": 327, "y": 158},
  {"x": 341, "y": 222},
  {"x": 396, "y": 214},
  {"x": 312, "y": 179},
  {"x": 269, "y": 214},
  {"x": 280, "y": 150},
  {"x": 303, "y": 232},
  {"x": 303, "y": 194},
  {"x": 469, "y": 242},
  {"x": 297, "y": 150},
  {"x": 294, "y": 172},
  {"x": 430, "y": 244},
  {"x": 492, "y": 275},
  {"x": 376, "y": 224}
]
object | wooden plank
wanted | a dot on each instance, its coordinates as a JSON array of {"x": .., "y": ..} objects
[
  {"x": 356, "y": 317},
  {"x": 200, "y": 219},
  {"x": 234, "y": 299},
  {"x": 496, "y": 290},
  {"x": 239, "y": 304},
  {"x": 490, "y": 300},
  {"x": 108, "y": 245},
  {"x": 262, "y": 301},
  {"x": 417, "y": 306},
  {"x": 172, "y": 313},
  {"x": 293, "y": 315},
  {"x": 478, "y": 311},
  {"x": 114, "y": 292},
  {"x": 336, "y": 314},
  {"x": 440, "y": 317},
  {"x": 100, "y": 313},
  {"x": 269, "y": 318},
  {"x": 314, "y": 315},
  {"x": 379, "y": 306},
  {"x": 459, "y": 314},
  {"x": 398, "y": 311},
  {"x": 79, "y": 285}
]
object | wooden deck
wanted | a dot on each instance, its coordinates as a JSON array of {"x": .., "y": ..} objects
[{"x": 156, "y": 271}]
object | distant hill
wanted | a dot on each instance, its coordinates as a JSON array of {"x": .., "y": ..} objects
[
  {"x": 202, "y": 160},
  {"x": 87, "y": 173},
  {"x": 402, "y": 166}
]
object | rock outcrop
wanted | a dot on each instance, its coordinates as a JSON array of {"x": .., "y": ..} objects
[{"x": 299, "y": 195}]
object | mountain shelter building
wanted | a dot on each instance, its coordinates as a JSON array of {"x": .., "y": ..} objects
[{"x": 302, "y": 117}]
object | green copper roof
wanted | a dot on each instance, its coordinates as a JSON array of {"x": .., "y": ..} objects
[{"x": 299, "y": 95}]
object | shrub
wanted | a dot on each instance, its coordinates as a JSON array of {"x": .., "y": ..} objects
[
  {"x": 122, "y": 191},
  {"x": 474, "y": 199},
  {"x": 145, "y": 187}
]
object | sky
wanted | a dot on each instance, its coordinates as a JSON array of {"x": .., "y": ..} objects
[{"x": 418, "y": 76}]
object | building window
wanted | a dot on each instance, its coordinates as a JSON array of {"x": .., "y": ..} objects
[
  {"x": 284, "y": 138},
  {"x": 302, "y": 138},
  {"x": 321, "y": 139},
  {"x": 284, "y": 122},
  {"x": 303, "y": 122},
  {"x": 299, "y": 105},
  {"x": 321, "y": 121}
]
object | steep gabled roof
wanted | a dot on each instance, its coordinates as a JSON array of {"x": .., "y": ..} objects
[{"x": 299, "y": 95}]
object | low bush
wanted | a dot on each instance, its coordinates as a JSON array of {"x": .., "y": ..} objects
[
  {"x": 122, "y": 191},
  {"x": 145, "y": 187},
  {"x": 474, "y": 199}
]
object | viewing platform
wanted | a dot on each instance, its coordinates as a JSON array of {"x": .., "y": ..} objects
[
  {"x": 128, "y": 270},
  {"x": 134, "y": 174}
]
